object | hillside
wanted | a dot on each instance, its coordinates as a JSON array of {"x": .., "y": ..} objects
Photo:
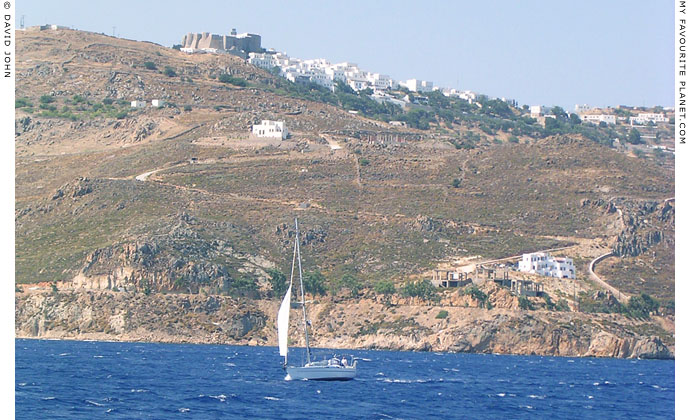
[{"x": 182, "y": 199}]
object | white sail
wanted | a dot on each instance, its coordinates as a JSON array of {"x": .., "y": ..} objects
[{"x": 284, "y": 323}]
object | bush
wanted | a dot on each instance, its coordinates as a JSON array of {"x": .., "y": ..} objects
[
  {"x": 351, "y": 283},
  {"x": 226, "y": 78},
  {"x": 46, "y": 99},
  {"x": 562, "y": 306},
  {"x": 187, "y": 108},
  {"x": 364, "y": 161},
  {"x": 150, "y": 65},
  {"x": 384, "y": 287},
  {"x": 423, "y": 289},
  {"x": 108, "y": 101},
  {"x": 513, "y": 139},
  {"x": 169, "y": 71},
  {"x": 456, "y": 183},
  {"x": 278, "y": 282},
  {"x": 479, "y": 296},
  {"x": 315, "y": 283},
  {"x": 443, "y": 314},
  {"x": 242, "y": 286},
  {"x": 525, "y": 303},
  {"x": 22, "y": 102},
  {"x": 121, "y": 115},
  {"x": 641, "y": 306}
]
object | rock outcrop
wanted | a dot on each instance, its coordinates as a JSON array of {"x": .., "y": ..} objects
[{"x": 366, "y": 324}]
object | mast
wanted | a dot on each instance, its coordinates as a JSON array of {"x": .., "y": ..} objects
[{"x": 301, "y": 287}]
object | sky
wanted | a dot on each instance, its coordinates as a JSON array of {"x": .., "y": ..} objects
[{"x": 602, "y": 53}]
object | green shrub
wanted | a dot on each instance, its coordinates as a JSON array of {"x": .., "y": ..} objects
[
  {"x": 456, "y": 183},
  {"x": 108, "y": 101},
  {"x": 46, "y": 99},
  {"x": 315, "y": 283},
  {"x": 169, "y": 71},
  {"x": 423, "y": 289},
  {"x": 226, "y": 78},
  {"x": 150, "y": 65},
  {"x": 22, "y": 102},
  {"x": 525, "y": 303},
  {"x": 351, "y": 283},
  {"x": 187, "y": 108},
  {"x": 121, "y": 114},
  {"x": 364, "y": 161},
  {"x": 562, "y": 306},
  {"x": 479, "y": 296},
  {"x": 641, "y": 306},
  {"x": 443, "y": 314},
  {"x": 384, "y": 287},
  {"x": 278, "y": 282}
]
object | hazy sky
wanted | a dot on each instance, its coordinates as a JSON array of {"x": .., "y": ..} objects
[{"x": 538, "y": 52}]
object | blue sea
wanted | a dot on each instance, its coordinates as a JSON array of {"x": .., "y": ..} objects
[{"x": 94, "y": 380}]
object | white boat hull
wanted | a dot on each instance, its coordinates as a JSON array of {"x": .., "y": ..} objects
[{"x": 321, "y": 373}]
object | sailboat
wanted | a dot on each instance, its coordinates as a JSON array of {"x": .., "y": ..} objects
[{"x": 333, "y": 369}]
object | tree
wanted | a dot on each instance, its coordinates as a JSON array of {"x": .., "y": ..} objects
[
  {"x": 634, "y": 137},
  {"x": 384, "y": 287},
  {"x": 278, "y": 282},
  {"x": 560, "y": 113},
  {"x": 150, "y": 65},
  {"x": 423, "y": 289},
  {"x": 177, "y": 47},
  {"x": 351, "y": 283},
  {"x": 456, "y": 183},
  {"x": 315, "y": 283},
  {"x": 575, "y": 119}
]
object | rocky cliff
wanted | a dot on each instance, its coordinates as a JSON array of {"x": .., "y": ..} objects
[{"x": 337, "y": 323}]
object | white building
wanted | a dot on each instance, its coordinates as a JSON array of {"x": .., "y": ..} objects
[
  {"x": 158, "y": 103},
  {"x": 138, "y": 104},
  {"x": 544, "y": 264},
  {"x": 645, "y": 118},
  {"x": 539, "y": 110},
  {"x": 582, "y": 108},
  {"x": 597, "y": 118},
  {"x": 269, "y": 128},
  {"x": 416, "y": 85}
]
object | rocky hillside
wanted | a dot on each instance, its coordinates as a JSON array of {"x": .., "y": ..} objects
[
  {"x": 181, "y": 199},
  {"x": 369, "y": 324}
]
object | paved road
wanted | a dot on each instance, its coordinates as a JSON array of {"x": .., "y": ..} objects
[{"x": 592, "y": 275}]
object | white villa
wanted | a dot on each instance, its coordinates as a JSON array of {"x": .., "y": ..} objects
[
  {"x": 269, "y": 128},
  {"x": 544, "y": 264},
  {"x": 645, "y": 118},
  {"x": 138, "y": 104},
  {"x": 597, "y": 118}
]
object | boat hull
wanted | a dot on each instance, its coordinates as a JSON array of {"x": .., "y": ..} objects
[{"x": 321, "y": 373}]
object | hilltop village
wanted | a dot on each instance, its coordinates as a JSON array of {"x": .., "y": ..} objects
[{"x": 155, "y": 189}]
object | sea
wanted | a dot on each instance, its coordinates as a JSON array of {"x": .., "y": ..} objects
[{"x": 114, "y": 380}]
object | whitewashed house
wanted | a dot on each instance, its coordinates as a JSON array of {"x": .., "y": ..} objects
[
  {"x": 267, "y": 128},
  {"x": 138, "y": 104},
  {"x": 597, "y": 118},
  {"x": 645, "y": 118},
  {"x": 544, "y": 264},
  {"x": 416, "y": 85},
  {"x": 157, "y": 103}
]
